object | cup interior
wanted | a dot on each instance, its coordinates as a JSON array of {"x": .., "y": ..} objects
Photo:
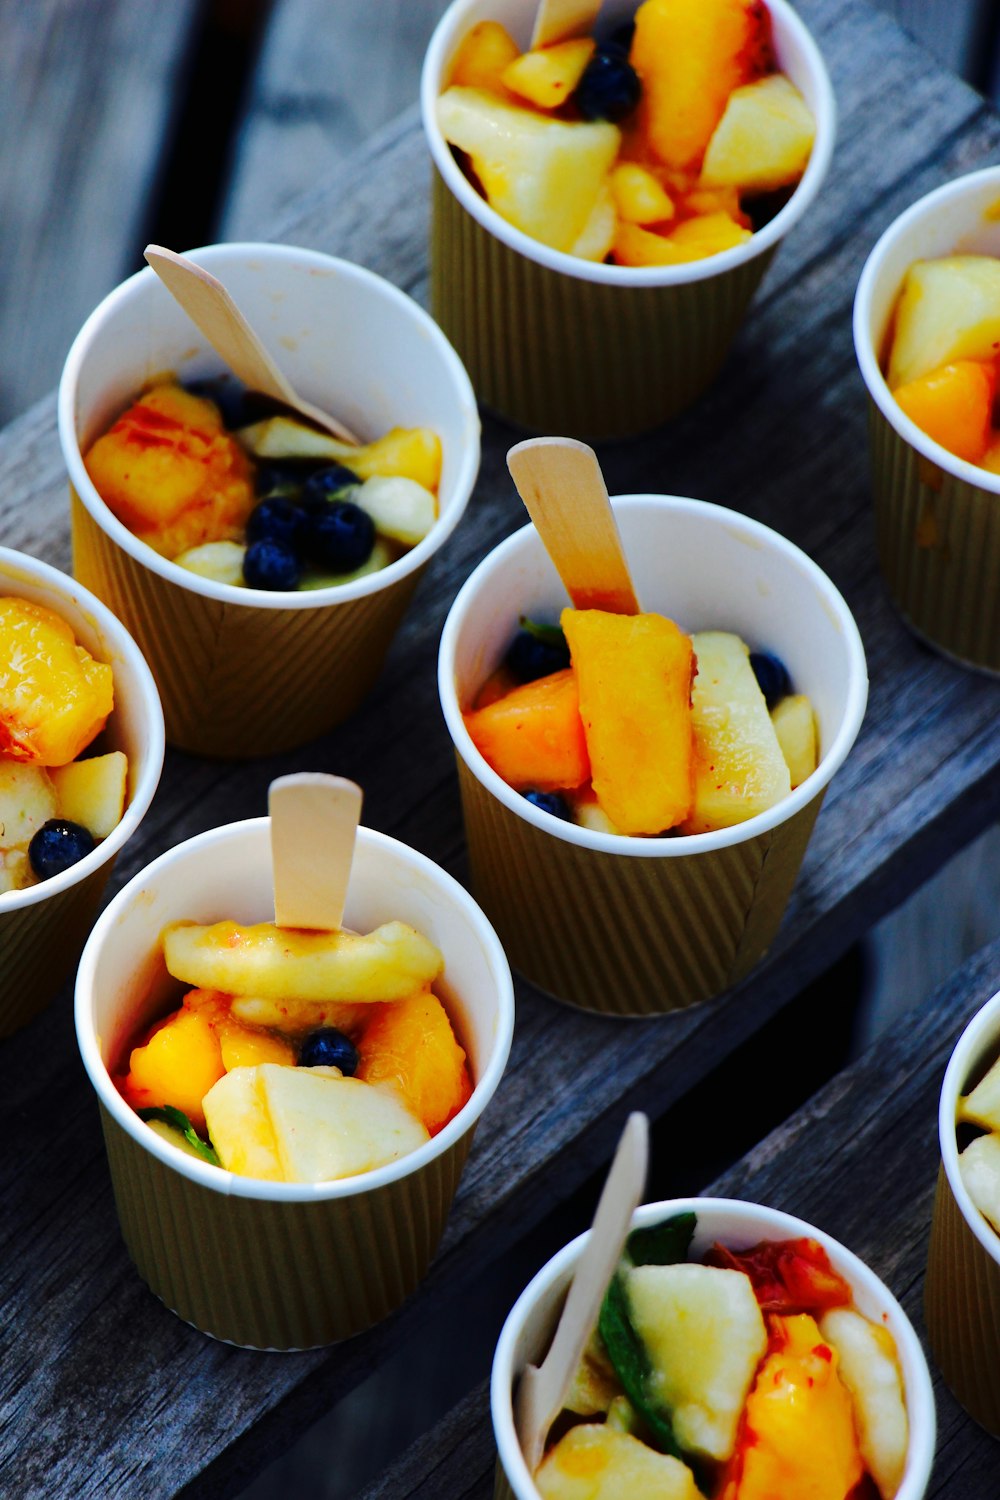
[{"x": 976, "y": 1049}]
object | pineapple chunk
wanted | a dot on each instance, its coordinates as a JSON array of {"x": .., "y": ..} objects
[
  {"x": 92, "y": 792},
  {"x": 220, "y": 561},
  {"x": 275, "y": 962},
  {"x": 763, "y": 140},
  {"x": 870, "y": 1370},
  {"x": 982, "y": 1106},
  {"x": 599, "y": 232},
  {"x": 240, "y": 1126},
  {"x": 547, "y": 76},
  {"x": 795, "y": 725},
  {"x": 979, "y": 1164},
  {"x": 542, "y": 175},
  {"x": 599, "y": 1463},
  {"x": 334, "y": 1127},
  {"x": 595, "y": 1385},
  {"x": 27, "y": 800},
  {"x": 400, "y": 508},
  {"x": 948, "y": 310},
  {"x": 639, "y": 197},
  {"x": 704, "y": 1334},
  {"x": 739, "y": 768},
  {"x": 412, "y": 452},
  {"x": 485, "y": 51}
]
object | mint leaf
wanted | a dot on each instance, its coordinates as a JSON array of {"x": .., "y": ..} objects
[
  {"x": 627, "y": 1353},
  {"x": 664, "y": 1244},
  {"x": 178, "y": 1120}
]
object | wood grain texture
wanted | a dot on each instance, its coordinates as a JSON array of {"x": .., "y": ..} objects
[{"x": 130, "y": 1401}]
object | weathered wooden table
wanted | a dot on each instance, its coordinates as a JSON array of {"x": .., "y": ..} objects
[{"x": 104, "y": 1393}]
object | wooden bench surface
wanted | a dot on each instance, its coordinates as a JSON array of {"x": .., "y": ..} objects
[{"x": 130, "y": 1401}]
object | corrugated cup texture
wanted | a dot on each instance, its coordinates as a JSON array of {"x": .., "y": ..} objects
[
  {"x": 558, "y": 353},
  {"x": 236, "y": 681},
  {"x": 39, "y": 945},
  {"x": 939, "y": 548},
  {"x": 640, "y": 936},
  {"x": 294, "y": 1275},
  {"x": 962, "y": 1310}
]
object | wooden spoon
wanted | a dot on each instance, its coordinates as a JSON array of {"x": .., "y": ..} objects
[
  {"x": 213, "y": 311},
  {"x": 560, "y": 20},
  {"x": 563, "y": 489},
  {"x": 314, "y": 823},
  {"x": 541, "y": 1389}
]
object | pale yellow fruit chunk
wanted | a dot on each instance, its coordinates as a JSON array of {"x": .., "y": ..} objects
[
  {"x": 704, "y": 1333},
  {"x": 763, "y": 140},
  {"x": 600, "y": 1463},
  {"x": 92, "y": 792},
  {"x": 547, "y": 76},
  {"x": 412, "y": 452},
  {"x": 979, "y": 1165},
  {"x": 982, "y": 1106},
  {"x": 870, "y": 1370},
  {"x": 739, "y": 768},
  {"x": 795, "y": 725},
  {"x": 222, "y": 562},
  {"x": 240, "y": 1126},
  {"x": 400, "y": 508},
  {"x": 173, "y": 1137},
  {"x": 335, "y": 1127},
  {"x": 27, "y": 800},
  {"x": 600, "y": 230},
  {"x": 639, "y": 197},
  {"x": 595, "y": 1384},
  {"x": 542, "y": 175},
  {"x": 16, "y": 873},
  {"x": 948, "y": 310},
  {"x": 274, "y": 962}
]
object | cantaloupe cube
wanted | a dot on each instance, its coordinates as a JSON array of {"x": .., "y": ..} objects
[
  {"x": 240, "y": 1126},
  {"x": 795, "y": 725},
  {"x": 411, "y": 1045},
  {"x": 594, "y": 1462},
  {"x": 954, "y": 406},
  {"x": 763, "y": 140},
  {"x": 639, "y": 197},
  {"x": 634, "y": 678},
  {"x": 547, "y": 76},
  {"x": 485, "y": 51},
  {"x": 948, "y": 310},
  {"x": 327, "y": 1127},
  {"x": 92, "y": 792},
  {"x": 178, "y": 1065},
  {"x": 534, "y": 736}
]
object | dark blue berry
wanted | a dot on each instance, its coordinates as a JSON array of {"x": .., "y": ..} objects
[
  {"x": 57, "y": 845},
  {"x": 329, "y": 1048},
  {"x": 225, "y": 393},
  {"x": 324, "y": 485},
  {"x": 340, "y": 537},
  {"x": 278, "y": 479},
  {"x": 620, "y": 40},
  {"x": 550, "y": 802},
  {"x": 270, "y": 564},
  {"x": 278, "y": 520},
  {"x": 529, "y": 658},
  {"x": 609, "y": 88},
  {"x": 772, "y": 676}
]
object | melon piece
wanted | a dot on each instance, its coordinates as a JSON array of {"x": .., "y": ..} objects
[
  {"x": 639, "y": 197},
  {"x": 27, "y": 800},
  {"x": 92, "y": 792},
  {"x": 690, "y": 55},
  {"x": 979, "y": 1165},
  {"x": 948, "y": 310},
  {"x": 869, "y": 1367},
  {"x": 599, "y": 232},
  {"x": 178, "y": 1065},
  {"x": 763, "y": 140},
  {"x": 334, "y": 1127},
  {"x": 982, "y": 1106},
  {"x": 411, "y": 452},
  {"x": 54, "y": 697},
  {"x": 410, "y": 1044},
  {"x": 240, "y": 1126},
  {"x": 485, "y": 51},
  {"x": 542, "y": 175},
  {"x": 694, "y": 239},
  {"x": 634, "y": 679},
  {"x": 546, "y": 76},
  {"x": 596, "y": 1462},
  {"x": 795, "y": 726},
  {"x": 954, "y": 407},
  {"x": 533, "y": 737},
  {"x": 401, "y": 509},
  {"x": 739, "y": 770},
  {"x": 220, "y": 561},
  {"x": 704, "y": 1334}
]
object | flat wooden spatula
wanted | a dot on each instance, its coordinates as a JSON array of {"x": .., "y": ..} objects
[
  {"x": 212, "y": 310},
  {"x": 314, "y": 824},
  {"x": 563, "y": 489},
  {"x": 542, "y": 1388},
  {"x": 560, "y": 20}
]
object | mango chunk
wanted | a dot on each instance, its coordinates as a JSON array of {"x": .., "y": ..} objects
[
  {"x": 547, "y": 76},
  {"x": 54, "y": 697},
  {"x": 178, "y": 1065},
  {"x": 411, "y": 1044},
  {"x": 954, "y": 406},
  {"x": 640, "y": 198},
  {"x": 485, "y": 52},
  {"x": 533, "y": 737},
  {"x": 694, "y": 239}
]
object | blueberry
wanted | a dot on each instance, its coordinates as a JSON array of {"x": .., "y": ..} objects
[
  {"x": 609, "y": 88},
  {"x": 529, "y": 658},
  {"x": 772, "y": 676},
  {"x": 341, "y": 536},
  {"x": 57, "y": 845},
  {"x": 620, "y": 40},
  {"x": 278, "y": 520},
  {"x": 324, "y": 485},
  {"x": 226, "y": 394},
  {"x": 329, "y": 1048},
  {"x": 270, "y": 564},
  {"x": 550, "y": 802},
  {"x": 278, "y": 479}
]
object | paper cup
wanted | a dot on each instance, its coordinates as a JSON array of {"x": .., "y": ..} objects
[
  {"x": 244, "y": 672},
  {"x": 282, "y": 1265},
  {"x": 635, "y": 926},
  {"x": 531, "y": 1323},
  {"x": 42, "y": 929},
  {"x": 937, "y": 517},
  {"x": 559, "y": 344},
  {"x": 962, "y": 1291}
]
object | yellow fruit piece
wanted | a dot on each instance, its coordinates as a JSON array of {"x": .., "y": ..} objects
[
  {"x": 795, "y": 726},
  {"x": 241, "y": 1046},
  {"x": 296, "y": 1017},
  {"x": 633, "y": 673},
  {"x": 991, "y": 458},
  {"x": 869, "y": 1368},
  {"x": 694, "y": 239},
  {"x": 178, "y": 1065},
  {"x": 954, "y": 406},
  {"x": 948, "y": 310},
  {"x": 410, "y": 452},
  {"x": 763, "y": 140},
  {"x": 54, "y": 697},
  {"x": 411, "y": 1045},
  {"x": 485, "y": 51},
  {"x": 220, "y": 561},
  {"x": 327, "y": 1127},
  {"x": 639, "y": 197},
  {"x": 16, "y": 873},
  {"x": 92, "y": 792},
  {"x": 595, "y": 1462},
  {"x": 546, "y": 77},
  {"x": 240, "y": 1127},
  {"x": 598, "y": 236},
  {"x": 27, "y": 800}
]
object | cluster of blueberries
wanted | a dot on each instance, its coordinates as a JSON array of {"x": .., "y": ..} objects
[
  {"x": 609, "y": 88},
  {"x": 299, "y": 523}
]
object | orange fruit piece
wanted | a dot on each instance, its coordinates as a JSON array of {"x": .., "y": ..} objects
[
  {"x": 484, "y": 54},
  {"x": 54, "y": 697},
  {"x": 178, "y": 1065},
  {"x": 410, "y": 1043},
  {"x": 533, "y": 737},
  {"x": 954, "y": 406}
]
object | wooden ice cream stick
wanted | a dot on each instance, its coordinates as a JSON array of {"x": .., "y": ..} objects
[
  {"x": 542, "y": 1389},
  {"x": 563, "y": 489},
  {"x": 559, "y": 20},
  {"x": 212, "y": 310},
  {"x": 314, "y": 823}
]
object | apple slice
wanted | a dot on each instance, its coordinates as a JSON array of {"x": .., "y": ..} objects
[
  {"x": 334, "y": 1127},
  {"x": 763, "y": 140},
  {"x": 979, "y": 1165},
  {"x": 795, "y": 726},
  {"x": 948, "y": 310},
  {"x": 92, "y": 792},
  {"x": 982, "y": 1106},
  {"x": 240, "y": 1127}
]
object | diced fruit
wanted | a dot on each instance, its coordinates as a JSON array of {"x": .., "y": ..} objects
[
  {"x": 550, "y": 802},
  {"x": 979, "y": 1164},
  {"x": 327, "y": 1127},
  {"x": 92, "y": 792},
  {"x": 414, "y": 453},
  {"x": 547, "y": 76},
  {"x": 795, "y": 726},
  {"x": 542, "y": 175},
  {"x": 297, "y": 1017},
  {"x": 240, "y": 1126},
  {"x": 595, "y": 1384},
  {"x": 54, "y": 697},
  {"x": 634, "y": 678},
  {"x": 534, "y": 736},
  {"x": 694, "y": 239},
  {"x": 178, "y": 1065},
  {"x": 57, "y": 846},
  {"x": 991, "y": 458},
  {"x": 599, "y": 232},
  {"x": 485, "y": 51},
  {"x": 704, "y": 1335},
  {"x": 739, "y": 768},
  {"x": 274, "y": 963},
  {"x": 16, "y": 873},
  {"x": 175, "y": 1137},
  {"x": 954, "y": 406},
  {"x": 763, "y": 140},
  {"x": 340, "y": 536},
  {"x": 400, "y": 508},
  {"x": 870, "y": 1370},
  {"x": 610, "y": 87},
  {"x": 949, "y": 310},
  {"x": 590, "y": 814},
  {"x": 220, "y": 561},
  {"x": 329, "y": 1048},
  {"x": 242, "y": 1047},
  {"x": 271, "y": 565},
  {"x": 639, "y": 197},
  {"x": 380, "y": 556},
  {"x": 411, "y": 1045},
  {"x": 27, "y": 800},
  {"x": 787, "y": 1276},
  {"x": 598, "y": 1463},
  {"x": 982, "y": 1106}
]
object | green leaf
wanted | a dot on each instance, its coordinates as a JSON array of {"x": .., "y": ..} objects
[
  {"x": 665, "y": 1244},
  {"x": 178, "y": 1120},
  {"x": 627, "y": 1353},
  {"x": 549, "y": 635}
]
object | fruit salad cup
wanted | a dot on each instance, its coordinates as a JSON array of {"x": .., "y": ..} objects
[
  {"x": 937, "y": 515},
  {"x": 245, "y": 672},
  {"x": 640, "y": 926},
  {"x": 291, "y": 1265},
  {"x": 587, "y": 349},
  {"x": 43, "y": 926},
  {"x": 738, "y": 1226}
]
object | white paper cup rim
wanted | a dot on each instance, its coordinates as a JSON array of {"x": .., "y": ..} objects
[{"x": 982, "y": 1032}]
